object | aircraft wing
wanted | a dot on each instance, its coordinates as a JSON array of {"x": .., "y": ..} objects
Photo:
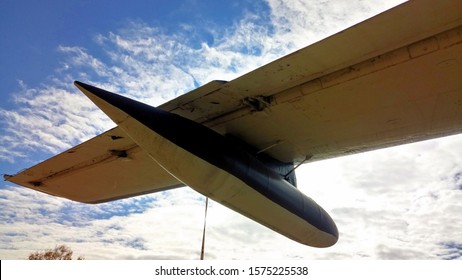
[
  {"x": 108, "y": 167},
  {"x": 390, "y": 80}
]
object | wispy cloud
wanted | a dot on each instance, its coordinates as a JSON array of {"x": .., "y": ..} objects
[
  {"x": 396, "y": 203},
  {"x": 50, "y": 118}
]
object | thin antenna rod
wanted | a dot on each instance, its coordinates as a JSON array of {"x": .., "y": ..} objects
[
  {"x": 298, "y": 165},
  {"x": 203, "y": 233}
]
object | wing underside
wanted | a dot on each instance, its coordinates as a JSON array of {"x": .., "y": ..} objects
[
  {"x": 390, "y": 80},
  {"x": 108, "y": 167}
]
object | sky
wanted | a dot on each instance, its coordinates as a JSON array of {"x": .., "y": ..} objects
[{"x": 396, "y": 203}]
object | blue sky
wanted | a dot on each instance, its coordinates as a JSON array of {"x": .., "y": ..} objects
[
  {"x": 399, "y": 203},
  {"x": 35, "y": 29}
]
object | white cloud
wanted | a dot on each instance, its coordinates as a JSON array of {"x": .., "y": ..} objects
[
  {"x": 300, "y": 23},
  {"x": 49, "y": 118},
  {"x": 395, "y": 203},
  {"x": 401, "y": 201}
]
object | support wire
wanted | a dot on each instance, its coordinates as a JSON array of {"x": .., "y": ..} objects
[{"x": 203, "y": 233}]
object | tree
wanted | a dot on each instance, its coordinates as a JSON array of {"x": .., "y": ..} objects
[{"x": 61, "y": 252}]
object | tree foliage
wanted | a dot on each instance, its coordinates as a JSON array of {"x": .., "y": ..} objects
[{"x": 61, "y": 252}]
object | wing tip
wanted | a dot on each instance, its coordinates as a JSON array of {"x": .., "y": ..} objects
[
  {"x": 78, "y": 83},
  {"x": 82, "y": 86}
]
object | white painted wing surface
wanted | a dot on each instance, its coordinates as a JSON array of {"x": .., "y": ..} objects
[
  {"x": 110, "y": 166},
  {"x": 390, "y": 80}
]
